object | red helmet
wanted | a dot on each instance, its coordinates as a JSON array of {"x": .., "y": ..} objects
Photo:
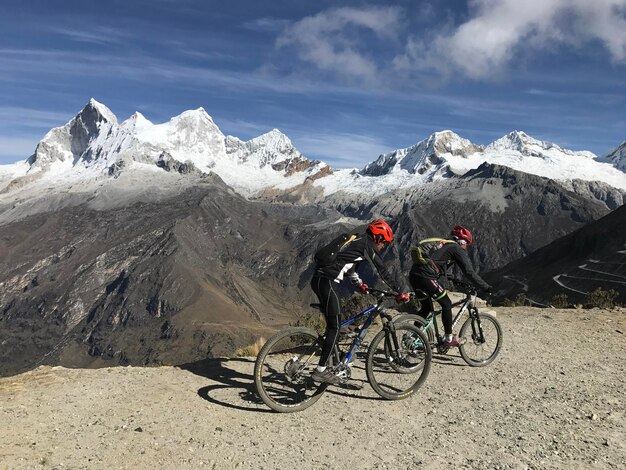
[
  {"x": 381, "y": 231},
  {"x": 461, "y": 233}
]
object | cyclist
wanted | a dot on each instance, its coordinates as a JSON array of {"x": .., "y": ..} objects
[
  {"x": 425, "y": 276},
  {"x": 327, "y": 276}
]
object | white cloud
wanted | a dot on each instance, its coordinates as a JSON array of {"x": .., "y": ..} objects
[
  {"x": 329, "y": 40},
  {"x": 498, "y": 31}
]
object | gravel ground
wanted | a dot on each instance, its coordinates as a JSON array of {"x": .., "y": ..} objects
[{"x": 554, "y": 399}]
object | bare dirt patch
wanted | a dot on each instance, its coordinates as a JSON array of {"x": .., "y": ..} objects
[{"x": 554, "y": 399}]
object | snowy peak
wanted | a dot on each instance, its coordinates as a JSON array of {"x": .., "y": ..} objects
[
  {"x": 528, "y": 146},
  {"x": 273, "y": 149},
  {"x": 192, "y": 116},
  {"x": 99, "y": 111},
  {"x": 616, "y": 157},
  {"x": 93, "y": 146},
  {"x": 427, "y": 156},
  {"x": 135, "y": 122},
  {"x": 70, "y": 143},
  {"x": 516, "y": 140}
]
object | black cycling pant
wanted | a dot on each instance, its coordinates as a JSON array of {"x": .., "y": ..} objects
[
  {"x": 427, "y": 290},
  {"x": 329, "y": 301}
]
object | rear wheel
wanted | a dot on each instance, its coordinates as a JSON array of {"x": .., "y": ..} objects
[
  {"x": 398, "y": 361},
  {"x": 283, "y": 368},
  {"x": 483, "y": 340}
]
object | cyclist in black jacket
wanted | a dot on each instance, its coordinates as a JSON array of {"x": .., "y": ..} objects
[
  {"x": 326, "y": 279},
  {"x": 424, "y": 279}
]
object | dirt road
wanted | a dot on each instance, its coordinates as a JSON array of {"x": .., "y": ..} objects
[{"x": 554, "y": 399}]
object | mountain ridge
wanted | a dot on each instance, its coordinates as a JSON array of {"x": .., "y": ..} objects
[{"x": 93, "y": 144}]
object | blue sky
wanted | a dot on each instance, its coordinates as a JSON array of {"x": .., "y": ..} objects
[{"x": 345, "y": 81}]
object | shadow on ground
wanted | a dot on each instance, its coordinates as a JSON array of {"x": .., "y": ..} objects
[{"x": 225, "y": 372}]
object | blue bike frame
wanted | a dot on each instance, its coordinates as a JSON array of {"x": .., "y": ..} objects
[{"x": 359, "y": 339}]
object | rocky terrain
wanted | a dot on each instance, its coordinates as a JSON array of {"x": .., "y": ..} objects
[{"x": 554, "y": 399}]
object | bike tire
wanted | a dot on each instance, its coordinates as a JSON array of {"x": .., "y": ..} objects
[
  {"x": 411, "y": 317},
  {"x": 395, "y": 381},
  {"x": 282, "y": 371},
  {"x": 492, "y": 334}
]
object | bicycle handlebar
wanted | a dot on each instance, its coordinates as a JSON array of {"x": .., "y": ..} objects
[{"x": 383, "y": 293}]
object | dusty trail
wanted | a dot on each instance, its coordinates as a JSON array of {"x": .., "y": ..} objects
[{"x": 555, "y": 399}]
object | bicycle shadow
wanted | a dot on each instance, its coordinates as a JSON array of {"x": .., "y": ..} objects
[
  {"x": 448, "y": 359},
  {"x": 217, "y": 370},
  {"x": 227, "y": 378}
]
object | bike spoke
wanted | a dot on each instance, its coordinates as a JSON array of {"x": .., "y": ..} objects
[
  {"x": 481, "y": 349},
  {"x": 284, "y": 367},
  {"x": 398, "y": 362}
]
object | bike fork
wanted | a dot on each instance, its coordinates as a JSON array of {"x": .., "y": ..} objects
[{"x": 477, "y": 335}]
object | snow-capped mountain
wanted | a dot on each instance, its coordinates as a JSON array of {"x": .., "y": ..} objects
[
  {"x": 445, "y": 154},
  {"x": 94, "y": 146},
  {"x": 423, "y": 157},
  {"x": 617, "y": 157}
]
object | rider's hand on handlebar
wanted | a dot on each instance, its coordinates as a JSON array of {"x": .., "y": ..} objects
[
  {"x": 402, "y": 298},
  {"x": 363, "y": 288},
  {"x": 485, "y": 293}
]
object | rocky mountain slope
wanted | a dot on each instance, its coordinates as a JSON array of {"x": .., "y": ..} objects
[
  {"x": 589, "y": 258},
  {"x": 536, "y": 407},
  {"x": 192, "y": 276}
]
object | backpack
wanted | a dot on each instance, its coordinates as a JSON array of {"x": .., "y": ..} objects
[
  {"x": 327, "y": 255},
  {"x": 420, "y": 254}
]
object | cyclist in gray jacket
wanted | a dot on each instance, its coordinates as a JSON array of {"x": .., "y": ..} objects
[{"x": 425, "y": 276}]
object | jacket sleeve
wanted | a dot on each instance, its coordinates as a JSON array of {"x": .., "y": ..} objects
[
  {"x": 462, "y": 260},
  {"x": 374, "y": 256}
]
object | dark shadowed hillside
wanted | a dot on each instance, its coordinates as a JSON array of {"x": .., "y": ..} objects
[{"x": 589, "y": 258}]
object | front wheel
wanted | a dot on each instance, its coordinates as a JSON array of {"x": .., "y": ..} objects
[
  {"x": 283, "y": 368},
  {"x": 398, "y": 361},
  {"x": 418, "y": 321},
  {"x": 483, "y": 340}
]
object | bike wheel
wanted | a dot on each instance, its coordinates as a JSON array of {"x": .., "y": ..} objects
[
  {"x": 420, "y": 322},
  {"x": 397, "y": 367},
  {"x": 483, "y": 340},
  {"x": 283, "y": 368}
]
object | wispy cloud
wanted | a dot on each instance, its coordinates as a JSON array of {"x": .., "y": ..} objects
[
  {"x": 343, "y": 150},
  {"x": 330, "y": 39},
  {"x": 16, "y": 64},
  {"x": 500, "y": 32},
  {"x": 267, "y": 24},
  {"x": 35, "y": 118},
  {"x": 94, "y": 35}
]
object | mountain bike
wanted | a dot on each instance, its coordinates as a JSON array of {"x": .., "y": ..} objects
[
  {"x": 395, "y": 369},
  {"x": 482, "y": 331}
]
